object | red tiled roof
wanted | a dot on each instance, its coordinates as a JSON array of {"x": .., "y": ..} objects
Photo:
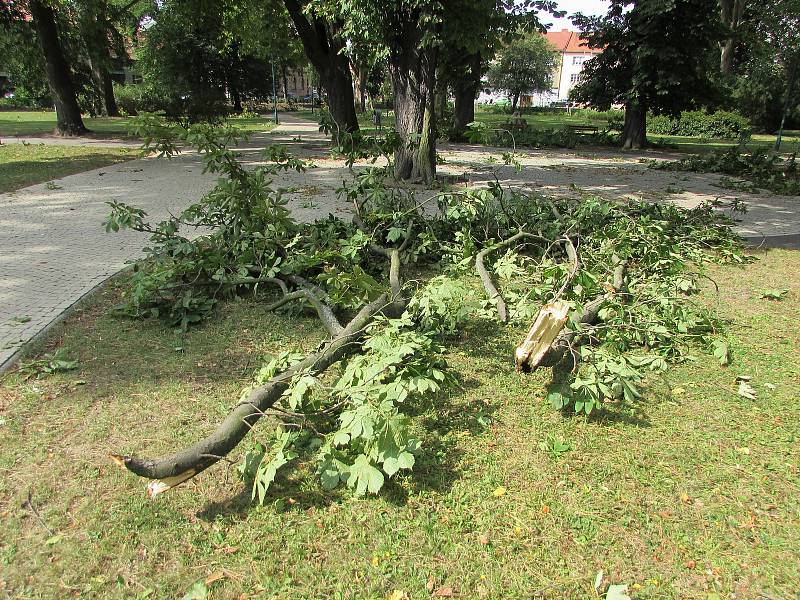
[{"x": 569, "y": 41}]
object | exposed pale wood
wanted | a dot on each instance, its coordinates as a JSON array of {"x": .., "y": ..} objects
[{"x": 548, "y": 324}]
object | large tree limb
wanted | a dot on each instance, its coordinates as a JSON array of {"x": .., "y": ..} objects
[
  {"x": 567, "y": 338},
  {"x": 174, "y": 469},
  {"x": 486, "y": 279}
]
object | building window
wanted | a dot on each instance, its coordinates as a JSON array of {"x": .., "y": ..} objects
[
  {"x": 578, "y": 60},
  {"x": 574, "y": 78}
]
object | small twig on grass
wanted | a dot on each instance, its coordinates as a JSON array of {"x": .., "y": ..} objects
[{"x": 29, "y": 504}]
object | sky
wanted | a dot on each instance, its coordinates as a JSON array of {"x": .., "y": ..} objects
[{"x": 587, "y": 7}]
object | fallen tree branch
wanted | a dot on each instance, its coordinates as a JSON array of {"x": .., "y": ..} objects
[
  {"x": 568, "y": 338},
  {"x": 486, "y": 279},
  {"x": 172, "y": 470},
  {"x": 393, "y": 254}
]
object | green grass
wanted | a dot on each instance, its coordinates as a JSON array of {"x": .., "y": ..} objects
[
  {"x": 791, "y": 140},
  {"x": 690, "y": 494},
  {"x": 35, "y": 123},
  {"x": 22, "y": 165}
]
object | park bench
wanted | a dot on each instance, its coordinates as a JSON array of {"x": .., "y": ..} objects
[
  {"x": 516, "y": 123},
  {"x": 583, "y": 129}
]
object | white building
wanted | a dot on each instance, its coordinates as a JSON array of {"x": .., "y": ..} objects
[{"x": 572, "y": 54}]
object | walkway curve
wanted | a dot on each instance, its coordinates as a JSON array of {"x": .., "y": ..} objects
[{"x": 54, "y": 250}]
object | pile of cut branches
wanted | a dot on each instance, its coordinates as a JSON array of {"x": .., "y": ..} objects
[
  {"x": 763, "y": 169},
  {"x": 609, "y": 287}
]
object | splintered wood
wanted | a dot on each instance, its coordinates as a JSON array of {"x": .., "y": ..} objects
[{"x": 548, "y": 324}]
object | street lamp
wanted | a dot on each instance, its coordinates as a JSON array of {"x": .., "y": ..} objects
[{"x": 274, "y": 92}]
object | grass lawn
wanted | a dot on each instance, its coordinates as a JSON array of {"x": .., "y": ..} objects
[
  {"x": 690, "y": 494},
  {"x": 32, "y": 123},
  {"x": 791, "y": 139},
  {"x": 24, "y": 165},
  {"x": 38, "y": 122}
]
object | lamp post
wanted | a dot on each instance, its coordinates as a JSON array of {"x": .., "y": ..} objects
[{"x": 274, "y": 92}]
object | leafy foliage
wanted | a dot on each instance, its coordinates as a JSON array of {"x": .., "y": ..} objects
[
  {"x": 764, "y": 169},
  {"x": 717, "y": 125},
  {"x": 524, "y": 66},
  {"x": 357, "y": 428}
]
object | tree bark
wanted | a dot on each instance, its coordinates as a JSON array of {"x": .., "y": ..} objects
[
  {"x": 634, "y": 132},
  {"x": 514, "y": 102},
  {"x": 731, "y": 13},
  {"x": 177, "y": 468},
  {"x": 285, "y": 77},
  {"x": 413, "y": 74},
  {"x": 323, "y": 48},
  {"x": 465, "y": 92},
  {"x": 58, "y": 75}
]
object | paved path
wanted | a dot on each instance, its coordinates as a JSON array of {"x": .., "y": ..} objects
[{"x": 53, "y": 249}]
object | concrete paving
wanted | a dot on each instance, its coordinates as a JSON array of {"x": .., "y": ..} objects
[{"x": 54, "y": 250}]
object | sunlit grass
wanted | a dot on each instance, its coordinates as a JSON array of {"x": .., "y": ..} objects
[
  {"x": 24, "y": 165},
  {"x": 689, "y": 494}
]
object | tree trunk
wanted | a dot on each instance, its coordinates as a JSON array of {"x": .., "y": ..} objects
[
  {"x": 112, "y": 110},
  {"x": 58, "y": 75},
  {"x": 731, "y": 13},
  {"x": 323, "y": 47},
  {"x": 413, "y": 73},
  {"x": 465, "y": 92},
  {"x": 236, "y": 96},
  {"x": 726, "y": 57},
  {"x": 634, "y": 132},
  {"x": 284, "y": 68},
  {"x": 514, "y": 102}
]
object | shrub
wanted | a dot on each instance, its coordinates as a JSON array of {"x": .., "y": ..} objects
[{"x": 697, "y": 123}]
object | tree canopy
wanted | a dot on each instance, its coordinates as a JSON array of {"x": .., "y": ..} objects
[
  {"x": 642, "y": 66},
  {"x": 524, "y": 66}
]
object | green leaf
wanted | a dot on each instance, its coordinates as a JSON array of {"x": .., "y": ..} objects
[
  {"x": 365, "y": 477},
  {"x": 198, "y": 591}
]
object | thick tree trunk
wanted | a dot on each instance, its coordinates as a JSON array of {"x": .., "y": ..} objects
[
  {"x": 414, "y": 121},
  {"x": 413, "y": 74},
  {"x": 634, "y": 132},
  {"x": 514, "y": 102},
  {"x": 324, "y": 47},
  {"x": 465, "y": 92},
  {"x": 58, "y": 74}
]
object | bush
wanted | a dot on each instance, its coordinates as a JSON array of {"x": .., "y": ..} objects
[{"x": 697, "y": 123}]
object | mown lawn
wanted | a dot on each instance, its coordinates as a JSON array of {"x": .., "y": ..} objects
[
  {"x": 690, "y": 494},
  {"x": 791, "y": 139},
  {"x": 22, "y": 165},
  {"x": 37, "y": 123}
]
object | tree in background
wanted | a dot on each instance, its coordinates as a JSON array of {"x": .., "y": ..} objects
[
  {"x": 524, "y": 66},
  {"x": 199, "y": 52},
  {"x": 473, "y": 32},
  {"x": 321, "y": 31},
  {"x": 59, "y": 77},
  {"x": 643, "y": 67},
  {"x": 766, "y": 63},
  {"x": 24, "y": 62}
]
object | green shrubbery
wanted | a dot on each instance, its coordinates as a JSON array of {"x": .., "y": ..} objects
[
  {"x": 697, "y": 123},
  {"x": 504, "y": 136}
]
